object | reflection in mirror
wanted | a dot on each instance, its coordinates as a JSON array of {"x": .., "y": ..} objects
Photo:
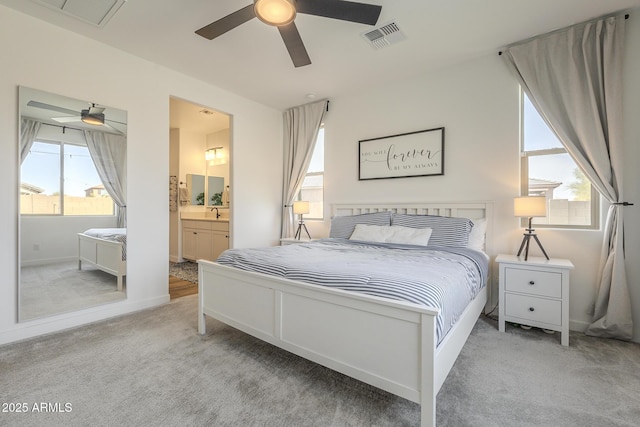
[
  {"x": 195, "y": 185},
  {"x": 72, "y": 204},
  {"x": 215, "y": 188}
]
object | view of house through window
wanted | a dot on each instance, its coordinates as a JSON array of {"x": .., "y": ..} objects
[
  {"x": 59, "y": 178},
  {"x": 549, "y": 171},
  {"x": 313, "y": 185}
]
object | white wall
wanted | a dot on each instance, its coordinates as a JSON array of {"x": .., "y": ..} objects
[
  {"x": 477, "y": 102},
  {"x": 192, "y": 148},
  {"x": 48, "y": 58},
  {"x": 50, "y": 239}
]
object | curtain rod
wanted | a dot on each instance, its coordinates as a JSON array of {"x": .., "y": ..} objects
[
  {"x": 80, "y": 130},
  {"x": 62, "y": 126},
  {"x": 626, "y": 16}
]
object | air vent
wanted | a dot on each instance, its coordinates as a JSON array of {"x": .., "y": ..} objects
[
  {"x": 95, "y": 12},
  {"x": 384, "y": 36}
]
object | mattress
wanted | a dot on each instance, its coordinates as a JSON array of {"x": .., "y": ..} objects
[{"x": 440, "y": 277}]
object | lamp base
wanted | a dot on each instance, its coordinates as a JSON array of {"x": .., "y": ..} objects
[
  {"x": 525, "y": 244},
  {"x": 301, "y": 225}
]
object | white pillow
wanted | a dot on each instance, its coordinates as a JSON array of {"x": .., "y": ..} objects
[
  {"x": 409, "y": 235},
  {"x": 370, "y": 233},
  {"x": 477, "y": 235},
  {"x": 391, "y": 234}
]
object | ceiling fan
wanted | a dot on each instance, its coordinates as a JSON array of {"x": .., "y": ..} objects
[
  {"x": 93, "y": 115},
  {"x": 281, "y": 14}
]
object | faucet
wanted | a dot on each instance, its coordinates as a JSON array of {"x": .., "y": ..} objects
[{"x": 217, "y": 212}]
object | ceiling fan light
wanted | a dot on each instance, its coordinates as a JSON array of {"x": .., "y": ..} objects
[
  {"x": 275, "y": 12},
  {"x": 92, "y": 119}
]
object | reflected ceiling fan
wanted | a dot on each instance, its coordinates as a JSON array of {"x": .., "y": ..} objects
[
  {"x": 93, "y": 115},
  {"x": 281, "y": 14}
]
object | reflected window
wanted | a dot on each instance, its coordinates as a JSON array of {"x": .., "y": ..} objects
[{"x": 59, "y": 178}]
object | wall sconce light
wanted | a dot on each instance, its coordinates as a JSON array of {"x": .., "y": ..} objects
[
  {"x": 215, "y": 156},
  {"x": 528, "y": 207},
  {"x": 301, "y": 208}
]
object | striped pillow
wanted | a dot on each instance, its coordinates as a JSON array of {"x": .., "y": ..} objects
[
  {"x": 446, "y": 231},
  {"x": 343, "y": 226}
]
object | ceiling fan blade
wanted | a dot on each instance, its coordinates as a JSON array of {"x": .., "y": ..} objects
[
  {"x": 44, "y": 106},
  {"x": 66, "y": 119},
  {"x": 338, "y": 9},
  {"x": 95, "y": 110},
  {"x": 293, "y": 42},
  {"x": 227, "y": 23}
]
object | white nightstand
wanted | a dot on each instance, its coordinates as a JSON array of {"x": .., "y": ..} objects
[
  {"x": 292, "y": 241},
  {"x": 535, "y": 293}
]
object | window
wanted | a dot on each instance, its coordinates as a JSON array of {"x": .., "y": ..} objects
[
  {"x": 313, "y": 184},
  {"x": 548, "y": 170},
  {"x": 60, "y": 178}
]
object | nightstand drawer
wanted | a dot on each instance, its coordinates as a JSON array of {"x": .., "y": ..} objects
[
  {"x": 534, "y": 282},
  {"x": 532, "y": 308}
]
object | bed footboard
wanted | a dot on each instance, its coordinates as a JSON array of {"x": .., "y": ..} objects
[
  {"x": 105, "y": 255},
  {"x": 387, "y": 344}
]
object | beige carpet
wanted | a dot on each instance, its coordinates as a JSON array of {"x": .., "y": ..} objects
[
  {"x": 58, "y": 288},
  {"x": 153, "y": 369}
]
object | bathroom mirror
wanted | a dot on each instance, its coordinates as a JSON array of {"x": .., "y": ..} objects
[
  {"x": 72, "y": 180},
  {"x": 214, "y": 189},
  {"x": 195, "y": 184}
]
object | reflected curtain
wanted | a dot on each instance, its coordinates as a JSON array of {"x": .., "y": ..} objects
[
  {"x": 29, "y": 129},
  {"x": 109, "y": 155},
  {"x": 574, "y": 79},
  {"x": 301, "y": 126}
]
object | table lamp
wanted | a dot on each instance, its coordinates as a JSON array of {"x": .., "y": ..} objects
[
  {"x": 301, "y": 208},
  {"x": 529, "y": 207}
]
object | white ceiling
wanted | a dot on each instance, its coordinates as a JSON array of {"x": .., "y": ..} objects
[
  {"x": 61, "y": 110},
  {"x": 251, "y": 60}
]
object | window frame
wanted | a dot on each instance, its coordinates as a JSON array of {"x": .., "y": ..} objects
[
  {"x": 316, "y": 173},
  {"x": 524, "y": 180},
  {"x": 61, "y": 163}
]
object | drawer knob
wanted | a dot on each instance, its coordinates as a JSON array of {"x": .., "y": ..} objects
[
  {"x": 532, "y": 309},
  {"x": 531, "y": 282}
]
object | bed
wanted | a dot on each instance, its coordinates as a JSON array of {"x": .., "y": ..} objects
[
  {"x": 401, "y": 348},
  {"x": 105, "y": 249}
]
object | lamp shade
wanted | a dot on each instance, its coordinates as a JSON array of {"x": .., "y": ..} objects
[
  {"x": 530, "y": 206},
  {"x": 301, "y": 207}
]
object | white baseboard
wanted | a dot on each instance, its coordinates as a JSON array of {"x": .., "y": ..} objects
[{"x": 46, "y": 261}]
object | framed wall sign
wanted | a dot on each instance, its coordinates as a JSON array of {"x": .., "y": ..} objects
[{"x": 405, "y": 155}]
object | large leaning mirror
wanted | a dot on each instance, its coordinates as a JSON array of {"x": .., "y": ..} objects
[{"x": 72, "y": 217}]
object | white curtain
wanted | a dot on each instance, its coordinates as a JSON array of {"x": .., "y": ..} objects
[
  {"x": 28, "y": 132},
  {"x": 301, "y": 126},
  {"x": 109, "y": 154},
  {"x": 574, "y": 79}
]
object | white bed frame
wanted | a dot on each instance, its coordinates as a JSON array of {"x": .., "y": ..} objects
[
  {"x": 103, "y": 254},
  {"x": 388, "y": 344}
]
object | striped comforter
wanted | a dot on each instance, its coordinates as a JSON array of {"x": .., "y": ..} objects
[{"x": 435, "y": 276}]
